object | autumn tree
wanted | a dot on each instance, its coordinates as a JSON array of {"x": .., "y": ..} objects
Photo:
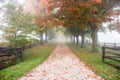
[
  {"x": 115, "y": 23},
  {"x": 101, "y": 14}
]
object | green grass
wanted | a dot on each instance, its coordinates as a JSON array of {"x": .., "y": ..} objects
[
  {"x": 93, "y": 60},
  {"x": 32, "y": 58}
]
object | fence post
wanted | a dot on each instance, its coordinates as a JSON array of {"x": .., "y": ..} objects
[
  {"x": 23, "y": 48},
  {"x": 104, "y": 44},
  {"x": 21, "y": 53},
  {"x": 103, "y": 53},
  {"x": 114, "y": 45}
]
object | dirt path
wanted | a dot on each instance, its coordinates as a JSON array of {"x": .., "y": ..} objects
[{"x": 61, "y": 65}]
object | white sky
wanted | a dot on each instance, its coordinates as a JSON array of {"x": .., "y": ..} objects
[
  {"x": 21, "y": 1},
  {"x": 112, "y": 37}
]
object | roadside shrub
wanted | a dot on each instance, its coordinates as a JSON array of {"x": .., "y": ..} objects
[
  {"x": 33, "y": 40},
  {"x": 18, "y": 41}
]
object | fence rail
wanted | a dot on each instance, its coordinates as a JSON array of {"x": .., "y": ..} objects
[
  {"x": 111, "y": 52},
  {"x": 10, "y": 56},
  {"x": 110, "y": 44}
]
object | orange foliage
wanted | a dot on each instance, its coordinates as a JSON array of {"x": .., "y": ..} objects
[
  {"x": 98, "y": 1},
  {"x": 70, "y": 12}
]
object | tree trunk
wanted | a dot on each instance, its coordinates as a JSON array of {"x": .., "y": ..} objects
[
  {"x": 74, "y": 39},
  {"x": 94, "y": 37},
  {"x": 71, "y": 38},
  {"x": 41, "y": 36},
  {"x": 77, "y": 36},
  {"x": 83, "y": 39},
  {"x": 77, "y": 39},
  {"x": 46, "y": 35}
]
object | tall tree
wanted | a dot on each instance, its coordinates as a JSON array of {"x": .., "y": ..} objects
[{"x": 17, "y": 22}]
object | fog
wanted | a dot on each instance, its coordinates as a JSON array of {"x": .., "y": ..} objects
[{"x": 112, "y": 37}]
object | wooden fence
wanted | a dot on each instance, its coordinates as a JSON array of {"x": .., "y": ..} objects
[
  {"x": 10, "y": 56},
  {"x": 110, "y": 44},
  {"x": 111, "y": 51}
]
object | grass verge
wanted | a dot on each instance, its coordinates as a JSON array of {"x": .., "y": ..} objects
[
  {"x": 93, "y": 60},
  {"x": 32, "y": 58}
]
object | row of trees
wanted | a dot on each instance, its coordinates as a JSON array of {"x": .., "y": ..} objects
[{"x": 78, "y": 16}]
